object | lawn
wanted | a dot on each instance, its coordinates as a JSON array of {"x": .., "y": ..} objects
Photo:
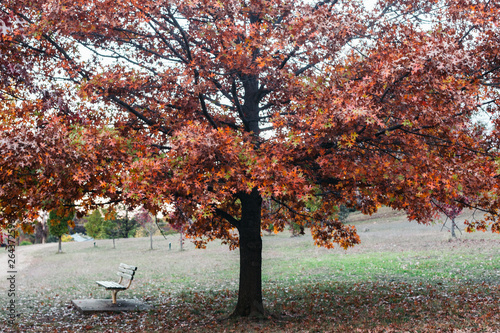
[{"x": 403, "y": 277}]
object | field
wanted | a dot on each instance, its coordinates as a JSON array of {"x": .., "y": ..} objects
[{"x": 403, "y": 277}]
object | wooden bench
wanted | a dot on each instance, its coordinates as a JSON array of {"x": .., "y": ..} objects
[{"x": 126, "y": 272}]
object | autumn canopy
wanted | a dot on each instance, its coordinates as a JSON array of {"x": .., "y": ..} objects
[{"x": 233, "y": 116}]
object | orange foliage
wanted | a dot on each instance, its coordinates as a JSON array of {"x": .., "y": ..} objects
[{"x": 287, "y": 98}]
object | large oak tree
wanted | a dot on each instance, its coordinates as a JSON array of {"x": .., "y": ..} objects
[{"x": 231, "y": 116}]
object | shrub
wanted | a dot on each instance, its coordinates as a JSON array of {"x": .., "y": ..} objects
[
  {"x": 26, "y": 242},
  {"x": 66, "y": 238}
]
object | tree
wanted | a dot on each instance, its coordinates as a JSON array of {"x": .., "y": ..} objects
[
  {"x": 59, "y": 223},
  {"x": 145, "y": 220},
  {"x": 41, "y": 228},
  {"x": 112, "y": 230},
  {"x": 125, "y": 226},
  {"x": 451, "y": 211},
  {"x": 98, "y": 227},
  {"x": 203, "y": 109},
  {"x": 93, "y": 226}
]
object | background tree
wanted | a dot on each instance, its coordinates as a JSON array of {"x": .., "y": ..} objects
[
  {"x": 126, "y": 226},
  {"x": 119, "y": 227},
  {"x": 59, "y": 223},
  {"x": 98, "y": 227},
  {"x": 93, "y": 226},
  {"x": 451, "y": 211},
  {"x": 112, "y": 230},
  {"x": 146, "y": 221},
  {"x": 204, "y": 109},
  {"x": 41, "y": 228}
]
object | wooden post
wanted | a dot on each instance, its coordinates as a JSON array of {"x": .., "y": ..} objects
[{"x": 113, "y": 296}]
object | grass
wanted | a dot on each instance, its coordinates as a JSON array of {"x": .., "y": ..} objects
[{"x": 403, "y": 277}]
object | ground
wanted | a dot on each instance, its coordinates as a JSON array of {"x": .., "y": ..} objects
[{"x": 403, "y": 277}]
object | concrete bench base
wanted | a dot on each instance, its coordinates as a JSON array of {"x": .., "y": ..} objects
[{"x": 91, "y": 306}]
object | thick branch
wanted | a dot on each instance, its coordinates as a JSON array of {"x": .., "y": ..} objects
[{"x": 234, "y": 222}]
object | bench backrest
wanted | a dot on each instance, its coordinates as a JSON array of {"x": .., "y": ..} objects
[{"x": 126, "y": 272}]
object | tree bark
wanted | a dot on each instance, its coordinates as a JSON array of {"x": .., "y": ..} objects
[
  {"x": 41, "y": 231},
  {"x": 250, "y": 289},
  {"x": 45, "y": 232},
  {"x": 38, "y": 233},
  {"x": 59, "y": 250}
]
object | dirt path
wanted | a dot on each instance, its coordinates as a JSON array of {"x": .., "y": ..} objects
[{"x": 24, "y": 258}]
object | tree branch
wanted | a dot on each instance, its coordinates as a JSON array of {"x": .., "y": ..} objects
[{"x": 229, "y": 218}]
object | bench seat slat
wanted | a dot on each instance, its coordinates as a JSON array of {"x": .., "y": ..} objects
[{"x": 111, "y": 285}]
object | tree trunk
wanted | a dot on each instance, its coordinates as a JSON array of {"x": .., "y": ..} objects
[
  {"x": 45, "y": 232},
  {"x": 38, "y": 233},
  {"x": 150, "y": 239},
  {"x": 453, "y": 225},
  {"x": 250, "y": 290},
  {"x": 59, "y": 250},
  {"x": 41, "y": 229}
]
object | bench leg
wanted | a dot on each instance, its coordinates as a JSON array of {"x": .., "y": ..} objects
[{"x": 113, "y": 296}]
